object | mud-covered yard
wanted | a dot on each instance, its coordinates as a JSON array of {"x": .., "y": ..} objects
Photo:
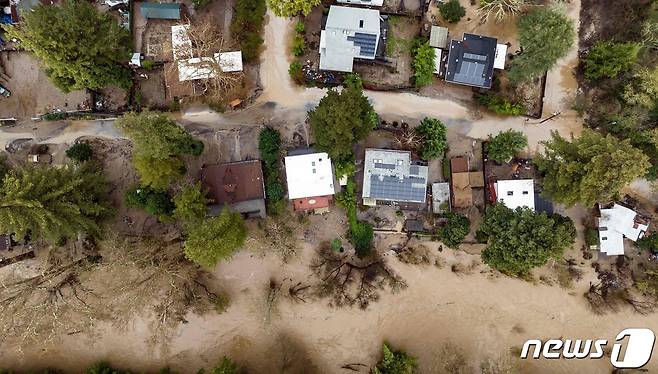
[{"x": 32, "y": 91}]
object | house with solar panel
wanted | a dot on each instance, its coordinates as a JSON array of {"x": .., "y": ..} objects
[
  {"x": 472, "y": 60},
  {"x": 350, "y": 33},
  {"x": 391, "y": 177}
]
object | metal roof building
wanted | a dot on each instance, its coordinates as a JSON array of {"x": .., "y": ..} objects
[
  {"x": 471, "y": 61},
  {"x": 349, "y": 33},
  {"x": 618, "y": 222},
  {"x": 239, "y": 185},
  {"x": 310, "y": 180},
  {"x": 160, "y": 10},
  {"x": 439, "y": 37},
  {"x": 391, "y": 176}
]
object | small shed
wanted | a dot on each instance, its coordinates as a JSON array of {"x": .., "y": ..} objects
[
  {"x": 439, "y": 37},
  {"x": 440, "y": 197},
  {"x": 161, "y": 11},
  {"x": 501, "y": 54}
]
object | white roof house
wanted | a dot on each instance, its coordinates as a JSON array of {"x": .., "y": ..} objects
[
  {"x": 516, "y": 193},
  {"x": 616, "y": 223},
  {"x": 363, "y": 2},
  {"x": 389, "y": 175},
  {"x": 501, "y": 55},
  {"x": 440, "y": 197},
  {"x": 180, "y": 41},
  {"x": 309, "y": 175},
  {"x": 349, "y": 33},
  {"x": 438, "y": 53}
]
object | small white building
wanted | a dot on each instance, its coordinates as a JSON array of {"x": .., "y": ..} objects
[
  {"x": 618, "y": 222},
  {"x": 440, "y": 197},
  {"x": 501, "y": 55},
  {"x": 310, "y": 180},
  {"x": 516, "y": 193}
]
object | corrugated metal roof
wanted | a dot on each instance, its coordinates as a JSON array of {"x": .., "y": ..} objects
[{"x": 439, "y": 37}]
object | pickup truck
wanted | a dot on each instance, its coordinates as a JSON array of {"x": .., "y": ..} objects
[{"x": 4, "y": 91}]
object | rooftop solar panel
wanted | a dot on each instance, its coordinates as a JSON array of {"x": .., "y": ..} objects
[
  {"x": 366, "y": 42},
  {"x": 392, "y": 188},
  {"x": 384, "y": 166},
  {"x": 473, "y": 56}
]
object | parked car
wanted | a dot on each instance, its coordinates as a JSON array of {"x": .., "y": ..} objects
[{"x": 4, "y": 91}]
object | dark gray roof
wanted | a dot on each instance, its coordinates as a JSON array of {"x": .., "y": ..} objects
[
  {"x": 398, "y": 189},
  {"x": 471, "y": 61},
  {"x": 542, "y": 204},
  {"x": 367, "y": 42}
]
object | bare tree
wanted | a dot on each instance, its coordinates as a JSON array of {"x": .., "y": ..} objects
[
  {"x": 407, "y": 139},
  {"x": 350, "y": 281},
  {"x": 200, "y": 58},
  {"x": 499, "y": 9}
]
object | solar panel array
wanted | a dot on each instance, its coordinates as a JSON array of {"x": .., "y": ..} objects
[
  {"x": 367, "y": 43},
  {"x": 380, "y": 165},
  {"x": 393, "y": 188},
  {"x": 471, "y": 72}
]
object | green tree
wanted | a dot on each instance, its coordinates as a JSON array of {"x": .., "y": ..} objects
[
  {"x": 643, "y": 88},
  {"x": 395, "y": 362},
  {"x": 434, "y": 140},
  {"x": 607, "y": 59},
  {"x": 423, "y": 63},
  {"x": 158, "y": 173},
  {"x": 292, "y": 8},
  {"x": 648, "y": 243},
  {"x": 452, "y": 11},
  {"x": 155, "y": 135},
  {"x": 79, "y": 46},
  {"x": 105, "y": 368},
  {"x": 499, "y": 104},
  {"x": 52, "y": 203},
  {"x": 154, "y": 202},
  {"x": 269, "y": 146},
  {"x": 342, "y": 119},
  {"x": 454, "y": 232},
  {"x": 215, "y": 239},
  {"x": 520, "y": 240},
  {"x": 191, "y": 204},
  {"x": 247, "y": 26},
  {"x": 79, "y": 152},
  {"x": 545, "y": 36},
  {"x": 590, "y": 168},
  {"x": 505, "y": 145}
]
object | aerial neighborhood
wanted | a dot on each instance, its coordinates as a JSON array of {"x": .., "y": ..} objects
[{"x": 306, "y": 186}]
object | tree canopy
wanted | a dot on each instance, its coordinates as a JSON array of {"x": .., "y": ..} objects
[
  {"x": 215, "y": 239},
  {"x": 506, "y": 145},
  {"x": 292, "y": 8},
  {"x": 642, "y": 90},
  {"x": 158, "y": 144},
  {"x": 456, "y": 229},
  {"x": 52, "y": 203},
  {"x": 395, "y": 362},
  {"x": 342, "y": 119},
  {"x": 191, "y": 204},
  {"x": 79, "y": 46},
  {"x": 590, "y": 168},
  {"x": 545, "y": 36},
  {"x": 423, "y": 63},
  {"x": 520, "y": 239},
  {"x": 434, "y": 141},
  {"x": 607, "y": 59},
  {"x": 79, "y": 152},
  {"x": 452, "y": 11}
]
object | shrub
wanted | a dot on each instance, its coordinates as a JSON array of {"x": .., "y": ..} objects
[
  {"x": 300, "y": 27},
  {"x": 296, "y": 73},
  {"x": 648, "y": 243},
  {"x": 423, "y": 63},
  {"x": 452, "y": 11},
  {"x": 298, "y": 45},
  {"x": 362, "y": 236},
  {"x": 396, "y": 362},
  {"x": 499, "y": 104},
  {"x": 609, "y": 59},
  {"x": 591, "y": 236},
  {"x": 56, "y": 116},
  {"x": 506, "y": 145},
  {"x": 154, "y": 202},
  {"x": 454, "y": 232},
  {"x": 269, "y": 146},
  {"x": 148, "y": 64},
  {"x": 79, "y": 152}
]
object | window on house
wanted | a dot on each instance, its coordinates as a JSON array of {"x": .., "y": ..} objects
[
  {"x": 604, "y": 238},
  {"x": 313, "y": 171},
  {"x": 525, "y": 192},
  {"x": 360, "y": 23},
  {"x": 510, "y": 193},
  {"x": 312, "y": 163}
]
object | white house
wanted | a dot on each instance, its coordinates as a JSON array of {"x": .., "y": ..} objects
[
  {"x": 310, "y": 180},
  {"x": 618, "y": 222},
  {"x": 516, "y": 193},
  {"x": 349, "y": 33},
  {"x": 363, "y": 2}
]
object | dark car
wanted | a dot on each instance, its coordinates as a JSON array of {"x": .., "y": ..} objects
[{"x": 4, "y": 91}]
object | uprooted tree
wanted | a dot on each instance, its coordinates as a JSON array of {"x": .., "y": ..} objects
[
  {"x": 113, "y": 281},
  {"x": 202, "y": 59},
  {"x": 348, "y": 280}
]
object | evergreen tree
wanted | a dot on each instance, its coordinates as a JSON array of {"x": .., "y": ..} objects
[
  {"x": 395, "y": 362},
  {"x": 590, "y": 168},
  {"x": 79, "y": 46},
  {"x": 215, "y": 239},
  {"x": 52, "y": 203},
  {"x": 506, "y": 145},
  {"x": 191, "y": 204},
  {"x": 434, "y": 141},
  {"x": 607, "y": 59},
  {"x": 342, "y": 119}
]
